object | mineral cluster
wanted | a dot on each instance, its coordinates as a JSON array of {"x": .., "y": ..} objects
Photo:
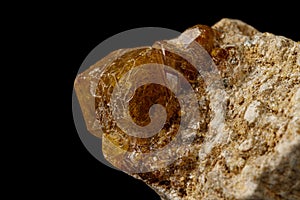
[{"x": 231, "y": 114}]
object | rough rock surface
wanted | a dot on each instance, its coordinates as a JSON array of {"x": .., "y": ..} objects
[{"x": 256, "y": 153}]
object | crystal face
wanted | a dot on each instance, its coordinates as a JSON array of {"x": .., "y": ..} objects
[
  {"x": 143, "y": 98},
  {"x": 149, "y": 103}
]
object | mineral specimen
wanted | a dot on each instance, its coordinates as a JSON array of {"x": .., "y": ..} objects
[{"x": 231, "y": 120}]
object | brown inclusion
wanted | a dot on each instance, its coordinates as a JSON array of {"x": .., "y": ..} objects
[{"x": 148, "y": 95}]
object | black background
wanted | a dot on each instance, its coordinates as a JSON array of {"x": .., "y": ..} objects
[{"x": 69, "y": 33}]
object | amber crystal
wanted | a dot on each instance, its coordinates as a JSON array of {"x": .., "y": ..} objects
[
  {"x": 95, "y": 90},
  {"x": 207, "y": 37}
]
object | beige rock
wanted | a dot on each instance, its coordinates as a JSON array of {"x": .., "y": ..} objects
[{"x": 259, "y": 153}]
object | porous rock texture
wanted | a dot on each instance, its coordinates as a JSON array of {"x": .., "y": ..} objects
[{"x": 256, "y": 152}]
